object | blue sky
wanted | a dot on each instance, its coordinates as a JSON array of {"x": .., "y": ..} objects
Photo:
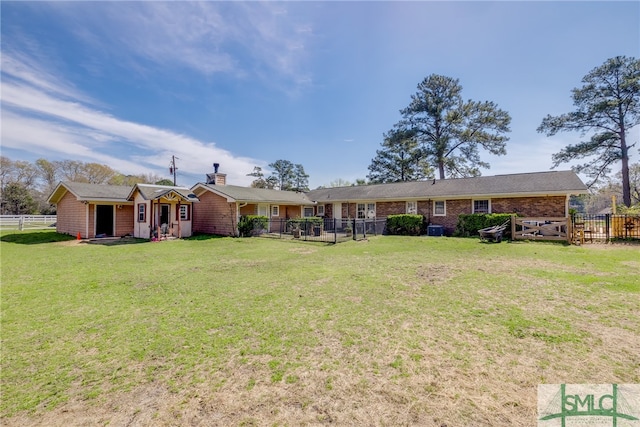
[{"x": 129, "y": 84}]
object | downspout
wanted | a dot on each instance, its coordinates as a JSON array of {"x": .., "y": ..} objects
[
  {"x": 178, "y": 213},
  {"x": 86, "y": 222}
]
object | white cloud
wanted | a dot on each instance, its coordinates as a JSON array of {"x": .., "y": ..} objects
[
  {"x": 40, "y": 116},
  {"x": 256, "y": 39}
]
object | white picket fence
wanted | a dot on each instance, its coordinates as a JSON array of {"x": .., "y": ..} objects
[{"x": 23, "y": 222}]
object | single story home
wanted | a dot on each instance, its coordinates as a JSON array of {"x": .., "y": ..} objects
[
  {"x": 144, "y": 210},
  {"x": 536, "y": 194},
  {"x": 221, "y": 205},
  {"x": 213, "y": 207}
]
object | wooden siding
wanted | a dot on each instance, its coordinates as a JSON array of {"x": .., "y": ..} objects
[
  {"x": 124, "y": 220},
  {"x": 214, "y": 215},
  {"x": 72, "y": 216}
]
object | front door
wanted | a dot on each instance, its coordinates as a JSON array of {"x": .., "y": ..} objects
[
  {"x": 104, "y": 220},
  {"x": 164, "y": 214},
  {"x": 337, "y": 215}
]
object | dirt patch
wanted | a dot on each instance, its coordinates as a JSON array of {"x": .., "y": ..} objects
[{"x": 303, "y": 251}]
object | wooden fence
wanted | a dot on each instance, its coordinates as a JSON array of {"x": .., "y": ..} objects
[
  {"x": 22, "y": 222},
  {"x": 541, "y": 228}
]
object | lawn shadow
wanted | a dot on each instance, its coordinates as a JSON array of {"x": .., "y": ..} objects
[
  {"x": 35, "y": 237},
  {"x": 198, "y": 236}
]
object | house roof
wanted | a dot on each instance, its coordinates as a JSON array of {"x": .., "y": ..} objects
[
  {"x": 91, "y": 192},
  {"x": 235, "y": 193},
  {"x": 155, "y": 192},
  {"x": 514, "y": 185}
]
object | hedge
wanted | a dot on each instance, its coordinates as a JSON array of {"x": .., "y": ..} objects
[
  {"x": 405, "y": 225},
  {"x": 250, "y": 225}
]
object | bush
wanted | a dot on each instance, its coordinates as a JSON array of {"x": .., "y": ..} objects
[
  {"x": 309, "y": 221},
  {"x": 250, "y": 225},
  {"x": 405, "y": 225},
  {"x": 468, "y": 225}
]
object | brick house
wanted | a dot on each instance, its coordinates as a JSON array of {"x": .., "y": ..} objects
[
  {"x": 221, "y": 205},
  {"x": 537, "y": 194},
  {"x": 95, "y": 210},
  {"x": 213, "y": 207}
]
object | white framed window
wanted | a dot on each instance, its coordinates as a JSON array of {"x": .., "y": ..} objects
[
  {"x": 275, "y": 210},
  {"x": 320, "y": 210},
  {"x": 142, "y": 212},
  {"x": 439, "y": 208},
  {"x": 412, "y": 208},
  {"x": 366, "y": 210},
  {"x": 263, "y": 210},
  {"x": 482, "y": 206},
  {"x": 308, "y": 211},
  {"x": 184, "y": 212}
]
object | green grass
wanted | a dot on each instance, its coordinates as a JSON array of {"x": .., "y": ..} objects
[{"x": 394, "y": 330}]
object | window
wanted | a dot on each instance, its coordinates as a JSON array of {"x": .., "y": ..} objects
[
  {"x": 275, "y": 210},
  {"x": 366, "y": 210},
  {"x": 439, "y": 208},
  {"x": 142, "y": 212},
  {"x": 184, "y": 212},
  {"x": 320, "y": 210},
  {"x": 308, "y": 211},
  {"x": 481, "y": 206},
  {"x": 412, "y": 207}
]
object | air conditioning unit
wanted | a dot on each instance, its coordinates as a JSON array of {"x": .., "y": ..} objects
[{"x": 435, "y": 230}]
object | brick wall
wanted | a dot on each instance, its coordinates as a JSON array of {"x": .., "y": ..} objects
[
  {"x": 384, "y": 209},
  {"x": 214, "y": 215},
  {"x": 553, "y": 206}
]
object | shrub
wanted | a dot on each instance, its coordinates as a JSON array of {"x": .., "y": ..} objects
[
  {"x": 309, "y": 221},
  {"x": 469, "y": 224},
  {"x": 250, "y": 225},
  {"x": 405, "y": 225}
]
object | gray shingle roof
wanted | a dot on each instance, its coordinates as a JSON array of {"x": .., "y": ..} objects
[
  {"x": 154, "y": 192},
  {"x": 259, "y": 195},
  {"x": 537, "y": 183},
  {"x": 98, "y": 192}
]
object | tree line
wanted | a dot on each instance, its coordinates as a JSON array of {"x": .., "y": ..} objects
[
  {"x": 439, "y": 132},
  {"x": 25, "y": 186}
]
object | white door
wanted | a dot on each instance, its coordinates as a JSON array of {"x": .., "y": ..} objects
[{"x": 337, "y": 215}]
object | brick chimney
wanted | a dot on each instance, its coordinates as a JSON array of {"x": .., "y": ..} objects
[{"x": 216, "y": 178}]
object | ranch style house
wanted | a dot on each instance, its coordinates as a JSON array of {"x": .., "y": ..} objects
[{"x": 213, "y": 207}]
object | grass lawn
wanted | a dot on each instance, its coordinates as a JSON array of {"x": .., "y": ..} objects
[{"x": 390, "y": 331}]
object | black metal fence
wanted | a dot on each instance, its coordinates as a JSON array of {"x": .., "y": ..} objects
[
  {"x": 608, "y": 227},
  {"x": 324, "y": 230}
]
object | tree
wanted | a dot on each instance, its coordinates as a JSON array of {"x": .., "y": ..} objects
[
  {"x": 164, "y": 181},
  {"x": 300, "y": 178},
  {"x": 401, "y": 159},
  {"x": 17, "y": 200},
  {"x": 452, "y": 131},
  {"x": 48, "y": 173},
  {"x": 260, "y": 181},
  {"x": 283, "y": 174},
  {"x": 607, "y": 106}
]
